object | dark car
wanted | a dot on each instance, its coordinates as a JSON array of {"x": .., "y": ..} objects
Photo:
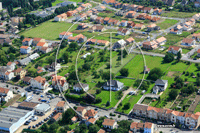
[
  {"x": 37, "y": 125},
  {"x": 33, "y": 126},
  {"x": 29, "y": 127}
]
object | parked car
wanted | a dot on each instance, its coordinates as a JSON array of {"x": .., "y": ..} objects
[
  {"x": 35, "y": 118},
  {"x": 29, "y": 127},
  {"x": 33, "y": 126}
]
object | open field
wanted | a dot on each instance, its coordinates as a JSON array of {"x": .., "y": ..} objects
[
  {"x": 167, "y": 23},
  {"x": 176, "y": 14},
  {"x": 49, "y": 30},
  {"x": 57, "y": 2},
  {"x": 197, "y": 108}
]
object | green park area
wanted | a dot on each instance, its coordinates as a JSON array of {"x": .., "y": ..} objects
[{"x": 167, "y": 23}]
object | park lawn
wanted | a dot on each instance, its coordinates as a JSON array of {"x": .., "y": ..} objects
[
  {"x": 127, "y": 82},
  {"x": 56, "y": 2},
  {"x": 167, "y": 23},
  {"x": 105, "y": 96},
  {"x": 49, "y": 30},
  {"x": 73, "y": 125},
  {"x": 76, "y": 1},
  {"x": 197, "y": 109},
  {"x": 176, "y": 14},
  {"x": 184, "y": 50}
]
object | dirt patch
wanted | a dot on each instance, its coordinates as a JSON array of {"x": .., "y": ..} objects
[
  {"x": 107, "y": 11},
  {"x": 173, "y": 73},
  {"x": 136, "y": 35}
]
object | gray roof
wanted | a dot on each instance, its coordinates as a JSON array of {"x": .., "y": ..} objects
[
  {"x": 35, "y": 55},
  {"x": 25, "y": 60},
  {"x": 3, "y": 69},
  {"x": 114, "y": 83},
  {"x": 11, "y": 115},
  {"x": 160, "y": 81},
  {"x": 80, "y": 85},
  {"x": 140, "y": 107},
  {"x": 43, "y": 107}
]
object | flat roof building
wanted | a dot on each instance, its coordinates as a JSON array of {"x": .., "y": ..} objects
[{"x": 12, "y": 118}]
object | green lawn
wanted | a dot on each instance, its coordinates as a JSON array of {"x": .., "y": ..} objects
[
  {"x": 167, "y": 23},
  {"x": 49, "y": 30},
  {"x": 56, "y": 2},
  {"x": 177, "y": 14},
  {"x": 197, "y": 109},
  {"x": 73, "y": 125},
  {"x": 106, "y": 96}
]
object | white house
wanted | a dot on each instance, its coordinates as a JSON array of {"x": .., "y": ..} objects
[
  {"x": 174, "y": 49},
  {"x": 161, "y": 41},
  {"x": 39, "y": 83},
  {"x": 5, "y": 94},
  {"x": 174, "y": 116},
  {"x": 119, "y": 44},
  {"x": 27, "y": 41},
  {"x": 109, "y": 123},
  {"x": 65, "y": 35},
  {"x": 114, "y": 85},
  {"x": 123, "y": 23},
  {"x": 41, "y": 44},
  {"x": 59, "y": 82},
  {"x": 160, "y": 85},
  {"x": 61, "y": 106},
  {"x": 123, "y": 31},
  {"x": 25, "y": 49},
  {"x": 80, "y": 86},
  {"x": 9, "y": 75},
  {"x": 188, "y": 42},
  {"x": 11, "y": 66}
]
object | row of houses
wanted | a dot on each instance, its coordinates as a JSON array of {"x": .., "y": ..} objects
[
  {"x": 154, "y": 44},
  {"x": 183, "y": 27},
  {"x": 168, "y": 115}
]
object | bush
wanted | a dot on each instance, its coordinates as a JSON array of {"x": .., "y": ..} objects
[
  {"x": 98, "y": 91},
  {"x": 127, "y": 106},
  {"x": 98, "y": 100},
  {"x": 107, "y": 104}
]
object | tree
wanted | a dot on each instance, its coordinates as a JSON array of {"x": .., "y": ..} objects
[
  {"x": 86, "y": 66},
  {"x": 106, "y": 76},
  {"x": 93, "y": 129},
  {"x": 172, "y": 94},
  {"x": 179, "y": 56},
  {"x": 127, "y": 106},
  {"x": 108, "y": 103},
  {"x": 169, "y": 57},
  {"x": 83, "y": 128},
  {"x": 98, "y": 91},
  {"x": 155, "y": 74},
  {"x": 67, "y": 115},
  {"x": 124, "y": 72},
  {"x": 98, "y": 100},
  {"x": 73, "y": 46},
  {"x": 53, "y": 127},
  {"x": 44, "y": 127}
]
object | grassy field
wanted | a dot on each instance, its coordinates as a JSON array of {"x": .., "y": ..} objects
[
  {"x": 57, "y": 2},
  {"x": 167, "y": 23},
  {"x": 176, "y": 14},
  {"x": 48, "y": 30},
  {"x": 197, "y": 108}
]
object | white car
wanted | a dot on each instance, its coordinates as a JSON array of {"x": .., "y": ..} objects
[{"x": 35, "y": 118}]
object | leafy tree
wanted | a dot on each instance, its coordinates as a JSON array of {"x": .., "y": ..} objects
[
  {"x": 73, "y": 46},
  {"x": 86, "y": 66},
  {"x": 179, "y": 56},
  {"x": 100, "y": 121},
  {"x": 155, "y": 74},
  {"x": 108, "y": 103},
  {"x": 106, "y": 76},
  {"x": 172, "y": 94},
  {"x": 169, "y": 57},
  {"x": 93, "y": 129},
  {"x": 98, "y": 91},
  {"x": 67, "y": 115},
  {"x": 127, "y": 106},
  {"x": 45, "y": 127},
  {"x": 53, "y": 127},
  {"x": 98, "y": 100},
  {"x": 124, "y": 72}
]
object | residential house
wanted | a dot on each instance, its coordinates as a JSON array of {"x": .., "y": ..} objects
[
  {"x": 25, "y": 61},
  {"x": 80, "y": 9},
  {"x": 157, "y": 11},
  {"x": 148, "y": 10},
  {"x": 117, "y": 5},
  {"x": 46, "y": 49},
  {"x": 188, "y": 42},
  {"x": 5, "y": 94},
  {"x": 160, "y": 85},
  {"x": 20, "y": 73},
  {"x": 106, "y": 19},
  {"x": 103, "y": 42},
  {"x": 91, "y": 41},
  {"x": 56, "y": 117},
  {"x": 161, "y": 41},
  {"x": 149, "y": 127},
  {"x": 133, "y": 7},
  {"x": 109, "y": 2},
  {"x": 71, "y": 13},
  {"x": 40, "y": 69},
  {"x": 25, "y": 49},
  {"x": 140, "y": 8},
  {"x": 66, "y": 3},
  {"x": 191, "y": 120},
  {"x": 81, "y": 17},
  {"x": 146, "y": 70},
  {"x": 39, "y": 83},
  {"x": 155, "y": 19},
  {"x": 181, "y": 118},
  {"x": 99, "y": 20},
  {"x": 130, "y": 24},
  {"x": 101, "y": 131},
  {"x": 140, "y": 110},
  {"x": 177, "y": 30},
  {"x": 41, "y": 44},
  {"x": 120, "y": 13},
  {"x": 61, "y": 17},
  {"x": 65, "y": 35},
  {"x": 198, "y": 53},
  {"x": 142, "y": 16},
  {"x": 174, "y": 116},
  {"x": 82, "y": 26},
  {"x": 170, "y": 2},
  {"x": 27, "y": 80},
  {"x": 90, "y": 121},
  {"x": 136, "y": 127},
  {"x": 125, "y": 6},
  {"x": 123, "y": 23},
  {"x": 152, "y": 27},
  {"x": 61, "y": 107},
  {"x": 59, "y": 83},
  {"x": 101, "y": 8},
  {"x": 129, "y": 40},
  {"x": 9, "y": 75},
  {"x": 27, "y": 41},
  {"x": 91, "y": 114},
  {"x": 37, "y": 40},
  {"x": 152, "y": 112},
  {"x": 139, "y": 26},
  {"x": 113, "y": 22},
  {"x": 54, "y": 66},
  {"x": 174, "y": 49},
  {"x": 3, "y": 71},
  {"x": 109, "y": 123},
  {"x": 93, "y": 18},
  {"x": 196, "y": 16},
  {"x": 81, "y": 38},
  {"x": 81, "y": 111},
  {"x": 99, "y": 28},
  {"x": 123, "y": 31},
  {"x": 80, "y": 86},
  {"x": 119, "y": 44},
  {"x": 11, "y": 65},
  {"x": 187, "y": 26},
  {"x": 150, "y": 45},
  {"x": 196, "y": 36},
  {"x": 130, "y": 14},
  {"x": 113, "y": 85}
]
